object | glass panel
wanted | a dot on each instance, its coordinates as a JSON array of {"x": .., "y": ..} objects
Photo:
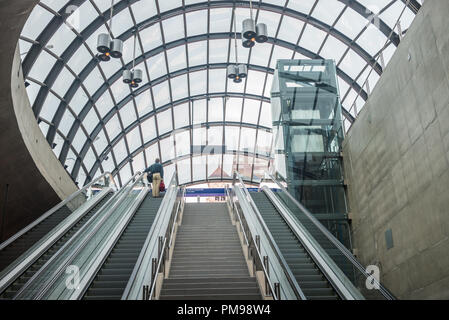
[
  {"x": 164, "y": 121},
  {"x": 148, "y": 130},
  {"x": 120, "y": 151},
  {"x": 183, "y": 143},
  {"x": 133, "y": 139},
  {"x": 113, "y": 127},
  {"x": 152, "y": 153},
  {"x": 128, "y": 114},
  {"x": 181, "y": 115},
  {"x": 184, "y": 171}
]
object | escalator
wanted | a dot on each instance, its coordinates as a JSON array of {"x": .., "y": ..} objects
[
  {"x": 16, "y": 248},
  {"x": 313, "y": 283},
  {"x": 208, "y": 261},
  {"x": 11, "y": 291},
  {"x": 111, "y": 280}
]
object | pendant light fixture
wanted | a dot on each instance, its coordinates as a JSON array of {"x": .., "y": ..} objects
[
  {"x": 236, "y": 72},
  {"x": 108, "y": 47},
  {"x": 133, "y": 77},
  {"x": 252, "y": 33}
]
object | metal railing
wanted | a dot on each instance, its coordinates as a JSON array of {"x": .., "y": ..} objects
[
  {"x": 297, "y": 221},
  {"x": 253, "y": 244},
  {"x": 43, "y": 280},
  {"x": 83, "y": 191},
  {"x": 149, "y": 292},
  {"x": 152, "y": 258},
  {"x": 285, "y": 286},
  {"x": 85, "y": 201}
]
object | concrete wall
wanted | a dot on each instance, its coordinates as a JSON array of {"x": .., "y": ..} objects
[
  {"x": 31, "y": 178},
  {"x": 396, "y": 163}
]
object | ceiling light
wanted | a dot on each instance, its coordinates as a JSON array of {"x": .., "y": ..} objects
[
  {"x": 252, "y": 33},
  {"x": 237, "y": 72},
  {"x": 108, "y": 47},
  {"x": 135, "y": 76}
]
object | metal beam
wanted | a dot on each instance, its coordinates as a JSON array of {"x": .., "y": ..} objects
[
  {"x": 177, "y": 159},
  {"x": 53, "y": 26}
]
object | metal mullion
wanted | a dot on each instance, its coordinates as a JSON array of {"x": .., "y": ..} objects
[
  {"x": 209, "y": 5},
  {"x": 118, "y": 74},
  {"x": 188, "y": 91},
  {"x": 56, "y": 24},
  {"x": 225, "y": 98},
  {"x": 207, "y": 91},
  {"x": 190, "y": 103},
  {"x": 263, "y": 91},
  {"x": 371, "y": 58},
  {"x": 162, "y": 109},
  {"x": 134, "y": 100},
  {"x": 176, "y": 159},
  {"x": 328, "y": 34},
  {"x": 165, "y": 135},
  {"x": 94, "y": 104},
  {"x": 169, "y": 88},
  {"x": 91, "y": 26},
  {"x": 112, "y": 94}
]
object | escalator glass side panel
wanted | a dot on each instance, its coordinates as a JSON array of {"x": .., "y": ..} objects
[
  {"x": 16, "y": 245},
  {"x": 332, "y": 247},
  {"x": 60, "y": 289},
  {"x": 309, "y": 277},
  {"x": 47, "y": 271},
  {"x": 111, "y": 280},
  {"x": 13, "y": 289},
  {"x": 15, "y": 249}
]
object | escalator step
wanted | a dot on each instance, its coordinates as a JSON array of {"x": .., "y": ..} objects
[{"x": 111, "y": 280}]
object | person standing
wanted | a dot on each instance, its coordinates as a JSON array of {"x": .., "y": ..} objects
[{"x": 155, "y": 176}]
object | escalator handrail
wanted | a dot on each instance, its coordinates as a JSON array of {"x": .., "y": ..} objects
[
  {"x": 124, "y": 191},
  {"x": 289, "y": 274},
  {"x": 234, "y": 207},
  {"x": 337, "y": 279},
  {"x": 259, "y": 256},
  {"x": 157, "y": 223},
  {"x": 56, "y": 208},
  {"x": 115, "y": 234},
  {"x": 25, "y": 260},
  {"x": 385, "y": 292}
]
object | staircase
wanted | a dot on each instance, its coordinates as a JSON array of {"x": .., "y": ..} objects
[
  {"x": 111, "y": 280},
  {"x": 312, "y": 282},
  {"x": 208, "y": 261}
]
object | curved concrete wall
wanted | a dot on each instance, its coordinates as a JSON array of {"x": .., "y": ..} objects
[
  {"x": 397, "y": 164},
  {"x": 32, "y": 179}
]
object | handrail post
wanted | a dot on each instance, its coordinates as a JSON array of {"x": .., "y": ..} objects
[
  {"x": 329, "y": 236},
  {"x": 277, "y": 289},
  {"x": 245, "y": 197},
  {"x": 265, "y": 262}
]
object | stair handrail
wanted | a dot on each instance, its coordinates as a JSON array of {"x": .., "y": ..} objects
[
  {"x": 57, "y": 207},
  {"x": 274, "y": 292},
  {"x": 384, "y": 291},
  {"x": 162, "y": 255},
  {"x": 287, "y": 271},
  {"x": 234, "y": 207},
  {"x": 179, "y": 209},
  {"x": 124, "y": 191}
]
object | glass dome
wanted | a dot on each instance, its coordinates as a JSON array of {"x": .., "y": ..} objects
[{"x": 186, "y": 111}]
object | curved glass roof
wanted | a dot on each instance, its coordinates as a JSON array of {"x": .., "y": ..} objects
[{"x": 186, "y": 112}]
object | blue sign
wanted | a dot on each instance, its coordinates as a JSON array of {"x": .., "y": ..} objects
[{"x": 211, "y": 192}]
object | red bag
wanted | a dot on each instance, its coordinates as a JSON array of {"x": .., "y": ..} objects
[{"x": 162, "y": 186}]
